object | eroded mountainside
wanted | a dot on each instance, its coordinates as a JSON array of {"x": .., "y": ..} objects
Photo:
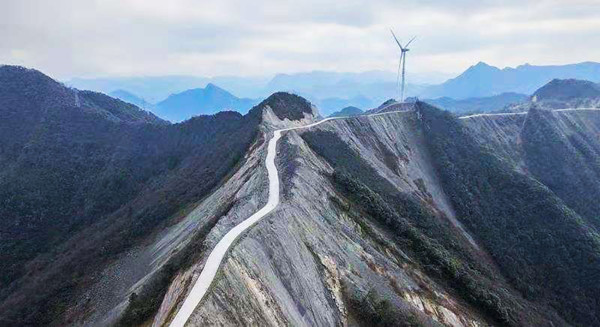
[
  {"x": 405, "y": 219},
  {"x": 409, "y": 217}
]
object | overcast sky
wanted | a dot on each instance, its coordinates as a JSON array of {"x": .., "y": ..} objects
[{"x": 69, "y": 38}]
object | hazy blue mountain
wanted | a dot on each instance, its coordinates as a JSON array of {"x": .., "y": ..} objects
[
  {"x": 244, "y": 87},
  {"x": 482, "y": 104},
  {"x": 348, "y": 111},
  {"x": 483, "y": 80},
  {"x": 131, "y": 98},
  {"x": 303, "y": 80},
  {"x": 329, "y": 105},
  {"x": 331, "y": 90},
  {"x": 151, "y": 88},
  {"x": 328, "y": 90},
  {"x": 195, "y": 102}
]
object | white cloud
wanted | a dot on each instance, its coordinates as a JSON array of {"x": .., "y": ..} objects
[{"x": 69, "y": 38}]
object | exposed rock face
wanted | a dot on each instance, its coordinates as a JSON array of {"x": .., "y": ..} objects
[
  {"x": 318, "y": 257},
  {"x": 297, "y": 266},
  {"x": 403, "y": 218}
]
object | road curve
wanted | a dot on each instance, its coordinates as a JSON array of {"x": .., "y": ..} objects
[{"x": 217, "y": 255}]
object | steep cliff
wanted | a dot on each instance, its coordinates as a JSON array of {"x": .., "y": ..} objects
[
  {"x": 405, "y": 216},
  {"x": 374, "y": 228}
]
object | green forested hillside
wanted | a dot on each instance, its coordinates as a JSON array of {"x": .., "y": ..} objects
[
  {"x": 83, "y": 166},
  {"x": 546, "y": 250},
  {"x": 567, "y": 162}
]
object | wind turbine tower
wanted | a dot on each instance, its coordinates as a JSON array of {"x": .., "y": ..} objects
[{"x": 402, "y": 63}]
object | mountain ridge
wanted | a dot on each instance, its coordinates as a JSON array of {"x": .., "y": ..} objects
[
  {"x": 406, "y": 215},
  {"x": 90, "y": 179},
  {"x": 485, "y": 80}
]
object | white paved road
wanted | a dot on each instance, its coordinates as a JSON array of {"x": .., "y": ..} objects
[{"x": 217, "y": 255}]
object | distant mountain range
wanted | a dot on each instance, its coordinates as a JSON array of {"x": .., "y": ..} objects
[
  {"x": 483, "y": 80},
  {"x": 480, "y": 88},
  {"x": 131, "y": 98},
  {"x": 201, "y": 101},
  {"x": 154, "y": 89},
  {"x": 330, "y": 91}
]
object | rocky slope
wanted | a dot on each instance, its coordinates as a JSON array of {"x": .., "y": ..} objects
[
  {"x": 375, "y": 238},
  {"x": 408, "y": 217},
  {"x": 307, "y": 262}
]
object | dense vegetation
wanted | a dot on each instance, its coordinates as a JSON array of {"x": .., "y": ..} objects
[
  {"x": 287, "y": 106},
  {"x": 545, "y": 249},
  {"x": 569, "y": 164},
  {"x": 427, "y": 237},
  {"x": 566, "y": 89},
  {"x": 85, "y": 177}
]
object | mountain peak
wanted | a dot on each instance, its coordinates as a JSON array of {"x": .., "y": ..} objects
[
  {"x": 287, "y": 106},
  {"x": 200, "y": 101},
  {"x": 564, "y": 89},
  {"x": 212, "y": 87},
  {"x": 482, "y": 67},
  {"x": 483, "y": 80}
]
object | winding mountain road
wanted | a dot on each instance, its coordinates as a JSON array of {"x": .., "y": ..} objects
[
  {"x": 215, "y": 258},
  {"x": 217, "y": 255}
]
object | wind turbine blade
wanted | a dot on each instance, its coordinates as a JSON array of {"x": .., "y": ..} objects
[
  {"x": 395, "y": 38},
  {"x": 407, "y": 44}
]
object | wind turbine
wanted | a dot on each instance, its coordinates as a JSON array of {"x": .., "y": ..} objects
[{"x": 402, "y": 63}]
